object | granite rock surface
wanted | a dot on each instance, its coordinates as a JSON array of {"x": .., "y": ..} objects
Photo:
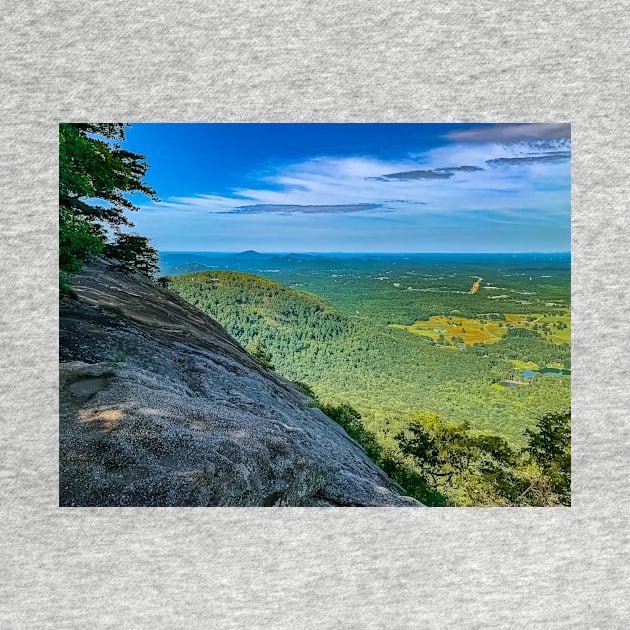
[{"x": 159, "y": 406}]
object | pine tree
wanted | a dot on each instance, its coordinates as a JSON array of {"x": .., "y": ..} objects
[
  {"x": 95, "y": 176},
  {"x": 134, "y": 253},
  {"x": 262, "y": 355}
]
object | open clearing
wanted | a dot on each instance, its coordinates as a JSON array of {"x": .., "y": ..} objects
[{"x": 553, "y": 328}]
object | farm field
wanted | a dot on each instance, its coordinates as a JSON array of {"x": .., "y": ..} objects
[{"x": 454, "y": 332}]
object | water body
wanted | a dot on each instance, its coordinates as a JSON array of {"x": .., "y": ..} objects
[
  {"x": 546, "y": 372},
  {"x": 532, "y": 373}
]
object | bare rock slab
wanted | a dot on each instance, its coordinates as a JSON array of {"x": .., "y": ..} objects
[{"x": 159, "y": 406}]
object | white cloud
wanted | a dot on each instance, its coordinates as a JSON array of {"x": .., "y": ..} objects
[{"x": 503, "y": 193}]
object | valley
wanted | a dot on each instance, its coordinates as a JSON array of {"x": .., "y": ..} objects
[{"x": 397, "y": 335}]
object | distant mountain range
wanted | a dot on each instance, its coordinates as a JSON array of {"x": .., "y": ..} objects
[
  {"x": 250, "y": 254},
  {"x": 177, "y": 263},
  {"x": 251, "y": 261}
]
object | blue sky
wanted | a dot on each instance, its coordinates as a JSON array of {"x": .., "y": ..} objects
[{"x": 356, "y": 187}]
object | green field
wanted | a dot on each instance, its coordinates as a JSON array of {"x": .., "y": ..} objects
[{"x": 467, "y": 332}]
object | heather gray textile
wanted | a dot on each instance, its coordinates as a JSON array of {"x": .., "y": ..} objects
[{"x": 314, "y": 568}]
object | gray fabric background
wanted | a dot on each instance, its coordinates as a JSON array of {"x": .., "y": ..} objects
[{"x": 314, "y": 568}]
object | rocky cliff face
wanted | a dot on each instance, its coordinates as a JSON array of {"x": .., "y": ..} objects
[{"x": 159, "y": 406}]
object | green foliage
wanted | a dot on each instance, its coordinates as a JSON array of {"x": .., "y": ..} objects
[
  {"x": 93, "y": 165},
  {"x": 65, "y": 289},
  {"x": 526, "y": 345},
  {"x": 468, "y": 469},
  {"x": 120, "y": 357},
  {"x": 381, "y": 372},
  {"x": 78, "y": 240},
  {"x": 549, "y": 448},
  {"x": 472, "y": 469},
  {"x": 163, "y": 282},
  {"x": 433, "y": 286},
  {"x": 443, "y": 464},
  {"x": 259, "y": 351},
  {"x": 307, "y": 390},
  {"x": 399, "y": 468},
  {"x": 550, "y": 441},
  {"x": 350, "y": 420},
  {"x": 96, "y": 175},
  {"x": 389, "y": 460},
  {"x": 134, "y": 253}
]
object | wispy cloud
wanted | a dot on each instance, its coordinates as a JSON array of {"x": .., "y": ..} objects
[
  {"x": 437, "y": 173},
  {"x": 261, "y": 208},
  {"x": 515, "y": 179},
  {"x": 530, "y": 159},
  {"x": 484, "y": 186},
  {"x": 410, "y": 175},
  {"x": 509, "y": 133},
  {"x": 463, "y": 169}
]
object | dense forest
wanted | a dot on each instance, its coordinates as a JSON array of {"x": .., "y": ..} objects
[
  {"x": 400, "y": 289},
  {"x": 393, "y": 380}
]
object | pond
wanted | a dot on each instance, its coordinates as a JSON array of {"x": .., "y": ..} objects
[
  {"x": 546, "y": 372},
  {"x": 555, "y": 372}
]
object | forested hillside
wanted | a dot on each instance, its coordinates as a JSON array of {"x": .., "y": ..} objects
[
  {"x": 401, "y": 384},
  {"x": 381, "y": 371}
]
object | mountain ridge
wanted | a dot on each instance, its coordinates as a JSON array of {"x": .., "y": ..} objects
[{"x": 159, "y": 406}]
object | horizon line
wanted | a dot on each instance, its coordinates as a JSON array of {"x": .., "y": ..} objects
[{"x": 340, "y": 251}]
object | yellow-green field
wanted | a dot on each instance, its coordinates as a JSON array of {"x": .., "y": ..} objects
[
  {"x": 530, "y": 365},
  {"x": 489, "y": 330},
  {"x": 525, "y": 365}
]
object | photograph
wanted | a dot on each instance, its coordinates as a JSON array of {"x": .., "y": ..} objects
[{"x": 315, "y": 314}]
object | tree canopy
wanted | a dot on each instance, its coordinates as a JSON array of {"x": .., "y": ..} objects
[
  {"x": 470, "y": 468},
  {"x": 96, "y": 177},
  {"x": 133, "y": 252},
  {"x": 382, "y": 372}
]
